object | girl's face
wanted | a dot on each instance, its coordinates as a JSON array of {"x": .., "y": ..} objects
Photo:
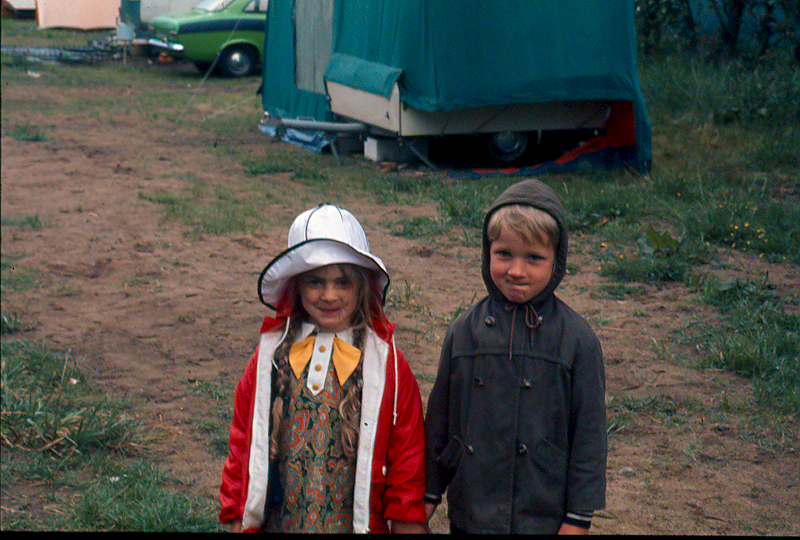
[{"x": 330, "y": 297}]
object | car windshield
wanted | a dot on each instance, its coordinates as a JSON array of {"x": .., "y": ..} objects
[{"x": 212, "y": 5}]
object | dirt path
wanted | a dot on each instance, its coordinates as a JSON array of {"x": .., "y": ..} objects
[{"x": 150, "y": 313}]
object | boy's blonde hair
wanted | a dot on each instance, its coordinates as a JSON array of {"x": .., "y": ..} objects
[{"x": 527, "y": 221}]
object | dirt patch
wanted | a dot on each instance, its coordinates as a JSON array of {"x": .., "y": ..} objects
[{"x": 150, "y": 312}]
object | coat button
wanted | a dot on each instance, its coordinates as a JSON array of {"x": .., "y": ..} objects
[
  {"x": 526, "y": 383},
  {"x": 469, "y": 449},
  {"x": 489, "y": 321},
  {"x": 478, "y": 381},
  {"x": 521, "y": 449}
]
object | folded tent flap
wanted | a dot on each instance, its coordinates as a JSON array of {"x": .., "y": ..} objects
[
  {"x": 365, "y": 91},
  {"x": 371, "y": 77}
]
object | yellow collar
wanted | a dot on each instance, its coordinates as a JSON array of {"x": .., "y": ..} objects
[{"x": 345, "y": 356}]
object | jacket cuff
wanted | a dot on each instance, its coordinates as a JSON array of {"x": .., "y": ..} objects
[
  {"x": 431, "y": 498},
  {"x": 584, "y": 521}
]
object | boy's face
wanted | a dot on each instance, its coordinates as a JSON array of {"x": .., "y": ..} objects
[
  {"x": 330, "y": 298},
  {"x": 519, "y": 268}
]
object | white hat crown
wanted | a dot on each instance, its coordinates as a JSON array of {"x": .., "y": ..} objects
[
  {"x": 328, "y": 222},
  {"x": 318, "y": 237}
]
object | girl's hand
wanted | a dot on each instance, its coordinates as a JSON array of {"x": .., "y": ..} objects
[
  {"x": 398, "y": 527},
  {"x": 236, "y": 526}
]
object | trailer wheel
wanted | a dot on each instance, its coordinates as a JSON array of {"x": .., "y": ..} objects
[
  {"x": 507, "y": 146},
  {"x": 237, "y": 61}
]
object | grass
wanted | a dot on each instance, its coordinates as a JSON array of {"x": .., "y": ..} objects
[
  {"x": 215, "y": 211},
  {"x": 60, "y": 430},
  {"x": 25, "y": 222},
  {"x": 761, "y": 341},
  {"x": 28, "y": 133},
  {"x": 215, "y": 428}
]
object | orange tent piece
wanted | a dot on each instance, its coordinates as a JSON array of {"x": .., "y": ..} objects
[{"x": 78, "y": 14}]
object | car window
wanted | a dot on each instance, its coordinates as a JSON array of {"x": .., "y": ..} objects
[
  {"x": 257, "y": 6},
  {"x": 212, "y": 5}
]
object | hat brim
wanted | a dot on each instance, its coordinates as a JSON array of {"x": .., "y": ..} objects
[{"x": 311, "y": 254}]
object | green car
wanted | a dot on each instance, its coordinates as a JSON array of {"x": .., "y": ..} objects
[{"x": 228, "y": 34}]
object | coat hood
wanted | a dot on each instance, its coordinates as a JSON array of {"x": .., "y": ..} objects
[{"x": 534, "y": 193}]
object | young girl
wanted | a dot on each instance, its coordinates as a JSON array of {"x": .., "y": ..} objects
[{"x": 327, "y": 434}]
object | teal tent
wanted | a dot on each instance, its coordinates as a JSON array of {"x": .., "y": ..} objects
[{"x": 435, "y": 68}]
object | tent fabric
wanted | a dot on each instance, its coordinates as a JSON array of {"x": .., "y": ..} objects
[
  {"x": 78, "y": 14},
  {"x": 456, "y": 55},
  {"x": 312, "y": 140},
  {"x": 280, "y": 96}
]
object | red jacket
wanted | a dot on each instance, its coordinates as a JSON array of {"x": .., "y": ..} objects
[{"x": 390, "y": 469}]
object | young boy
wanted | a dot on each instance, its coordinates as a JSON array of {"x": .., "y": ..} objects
[{"x": 516, "y": 427}]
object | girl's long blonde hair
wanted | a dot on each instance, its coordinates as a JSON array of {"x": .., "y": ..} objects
[{"x": 368, "y": 307}]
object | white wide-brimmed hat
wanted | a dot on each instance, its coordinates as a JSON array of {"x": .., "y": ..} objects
[{"x": 318, "y": 237}]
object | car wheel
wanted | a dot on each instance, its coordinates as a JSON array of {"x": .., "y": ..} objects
[
  {"x": 237, "y": 61},
  {"x": 507, "y": 146}
]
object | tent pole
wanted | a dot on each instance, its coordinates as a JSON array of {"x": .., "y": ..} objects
[{"x": 416, "y": 152}]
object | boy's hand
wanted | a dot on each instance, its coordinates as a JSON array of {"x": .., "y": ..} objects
[
  {"x": 572, "y": 529},
  {"x": 430, "y": 508}
]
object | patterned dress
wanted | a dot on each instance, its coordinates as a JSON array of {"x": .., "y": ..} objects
[{"x": 316, "y": 476}]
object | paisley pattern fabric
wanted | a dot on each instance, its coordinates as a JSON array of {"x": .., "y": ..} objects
[{"x": 317, "y": 478}]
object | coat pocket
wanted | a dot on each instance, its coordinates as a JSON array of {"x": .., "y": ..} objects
[
  {"x": 547, "y": 478},
  {"x": 451, "y": 455},
  {"x": 378, "y": 487},
  {"x": 378, "y": 471}
]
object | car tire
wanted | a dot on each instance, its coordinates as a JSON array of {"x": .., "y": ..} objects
[{"x": 237, "y": 61}]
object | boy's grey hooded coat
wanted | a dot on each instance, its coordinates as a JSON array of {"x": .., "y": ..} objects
[{"x": 516, "y": 425}]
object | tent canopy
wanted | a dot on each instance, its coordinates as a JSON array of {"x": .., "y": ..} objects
[
  {"x": 450, "y": 56},
  {"x": 78, "y": 14}
]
